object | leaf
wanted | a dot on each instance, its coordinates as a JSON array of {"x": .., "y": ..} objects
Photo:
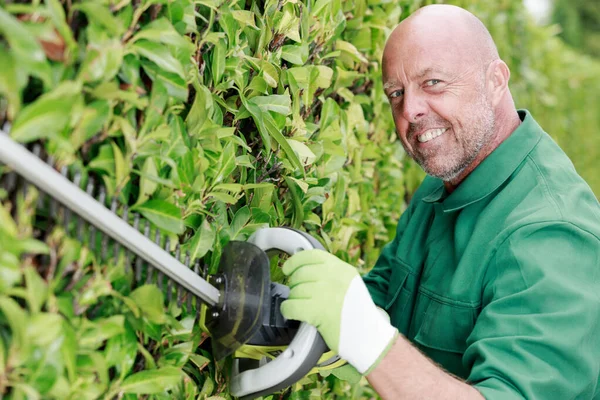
[
  {"x": 150, "y": 300},
  {"x": 10, "y": 82},
  {"x": 161, "y": 31},
  {"x": 102, "y": 61},
  {"x": 97, "y": 13},
  {"x": 105, "y": 160},
  {"x": 121, "y": 166},
  {"x": 304, "y": 153},
  {"x": 93, "y": 119},
  {"x": 152, "y": 381},
  {"x": 347, "y": 373},
  {"x": 269, "y": 73},
  {"x": 160, "y": 55},
  {"x": 279, "y": 103},
  {"x": 48, "y": 115},
  {"x": 241, "y": 218},
  {"x": 57, "y": 14},
  {"x": 296, "y": 54},
  {"x": 37, "y": 289},
  {"x": 27, "y": 52},
  {"x": 350, "y": 49},
  {"x": 147, "y": 185},
  {"x": 246, "y": 18},
  {"x": 44, "y": 328},
  {"x": 218, "y": 61},
  {"x": 202, "y": 241},
  {"x": 165, "y": 215},
  {"x": 17, "y": 319},
  {"x": 173, "y": 83}
]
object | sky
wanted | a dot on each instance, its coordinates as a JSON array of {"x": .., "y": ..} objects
[{"x": 540, "y": 9}]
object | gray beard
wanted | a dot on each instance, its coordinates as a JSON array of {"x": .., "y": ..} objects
[{"x": 484, "y": 130}]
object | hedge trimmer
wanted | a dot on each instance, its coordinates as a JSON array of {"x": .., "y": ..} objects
[{"x": 238, "y": 306}]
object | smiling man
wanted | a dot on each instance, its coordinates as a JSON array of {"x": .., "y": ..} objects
[{"x": 491, "y": 287}]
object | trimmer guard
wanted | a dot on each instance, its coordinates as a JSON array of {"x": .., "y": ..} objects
[
  {"x": 245, "y": 281},
  {"x": 251, "y": 378}
]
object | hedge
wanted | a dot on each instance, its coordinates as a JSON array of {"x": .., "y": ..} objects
[{"x": 213, "y": 118}]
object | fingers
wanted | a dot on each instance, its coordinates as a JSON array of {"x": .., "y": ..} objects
[
  {"x": 306, "y": 274},
  {"x": 312, "y": 256},
  {"x": 298, "y": 310}
]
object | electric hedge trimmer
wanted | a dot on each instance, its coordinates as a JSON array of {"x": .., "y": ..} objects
[{"x": 239, "y": 306}]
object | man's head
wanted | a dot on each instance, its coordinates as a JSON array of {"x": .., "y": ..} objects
[{"x": 448, "y": 90}]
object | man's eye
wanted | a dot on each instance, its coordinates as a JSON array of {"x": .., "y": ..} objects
[
  {"x": 432, "y": 82},
  {"x": 396, "y": 93}
]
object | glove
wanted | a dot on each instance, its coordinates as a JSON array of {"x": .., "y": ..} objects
[{"x": 330, "y": 294}]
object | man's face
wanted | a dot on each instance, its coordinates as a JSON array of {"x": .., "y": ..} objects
[{"x": 440, "y": 107}]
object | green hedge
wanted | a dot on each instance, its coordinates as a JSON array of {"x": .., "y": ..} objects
[{"x": 213, "y": 118}]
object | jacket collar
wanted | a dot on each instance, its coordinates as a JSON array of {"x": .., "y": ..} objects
[{"x": 493, "y": 171}]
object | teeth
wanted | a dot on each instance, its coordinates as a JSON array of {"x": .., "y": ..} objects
[{"x": 431, "y": 134}]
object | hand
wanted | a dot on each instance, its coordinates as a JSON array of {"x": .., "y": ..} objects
[{"x": 330, "y": 294}]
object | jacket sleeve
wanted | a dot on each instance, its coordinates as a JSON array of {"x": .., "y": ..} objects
[
  {"x": 378, "y": 278},
  {"x": 537, "y": 336}
]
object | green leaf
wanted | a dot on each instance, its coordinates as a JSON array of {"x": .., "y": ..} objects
[
  {"x": 43, "y": 329},
  {"x": 27, "y": 52},
  {"x": 268, "y": 128},
  {"x": 121, "y": 165},
  {"x": 57, "y": 14},
  {"x": 347, "y": 373},
  {"x": 48, "y": 115},
  {"x": 17, "y": 319},
  {"x": 160, "y": 55},
  {"x": 37, "y": 289},
  {"x": 304, "y": 153},
  {"x": 161, "y": 31},
  {"x": 175, "y": 85},
  {"x": 202, "y": 241},
  {"x": 105, "y": 160},
  {"x": 246, "y": 18},
  {"x": 296, "y": 54},
  {"x": 241, "y": 218},
  {"x": 93, "y": 119},
  {"x": 10, "y": 82},
  {"x": 153, "y": 381},
  {"x": 279, "y": 103},
  {"x": 165, "y": 215},
  {"x": 102, "y": 61},
  {"x": 147, "y": 185},
  {"x": 150, "y": 300},
  {"x": 218, "y": 61},
  {"x": 97, "y": 13}
]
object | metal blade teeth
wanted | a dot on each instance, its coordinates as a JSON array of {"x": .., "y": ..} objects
[
  {"x": 117, "y": 246},
  {"x": 101, "y": 244}
]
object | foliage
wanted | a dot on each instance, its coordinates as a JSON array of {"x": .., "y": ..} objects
[
  {"x": 213, "y": 118},
  {"x": 580, "y": 24}
]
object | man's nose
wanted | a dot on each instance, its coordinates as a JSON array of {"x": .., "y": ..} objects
[{"x": 414, "y": 107}]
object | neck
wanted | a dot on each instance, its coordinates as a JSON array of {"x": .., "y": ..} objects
[{"x": 506, "y": 123}]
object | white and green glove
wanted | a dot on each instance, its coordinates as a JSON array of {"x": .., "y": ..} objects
[{"x": 330, "y": 294}]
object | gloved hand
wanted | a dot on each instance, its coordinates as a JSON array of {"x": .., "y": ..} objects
[{"x": 330, "y": 294}]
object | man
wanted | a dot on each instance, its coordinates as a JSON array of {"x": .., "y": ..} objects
[{"x": 492, "y": 282}]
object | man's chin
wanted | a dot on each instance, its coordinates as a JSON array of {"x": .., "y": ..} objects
[{"x": 443, "y": 172}]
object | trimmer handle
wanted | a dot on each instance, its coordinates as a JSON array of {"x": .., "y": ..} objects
[{"x": 251, "y": 379}]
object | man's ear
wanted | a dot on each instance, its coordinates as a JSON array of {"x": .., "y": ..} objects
[{"x": 498, "y": 75}]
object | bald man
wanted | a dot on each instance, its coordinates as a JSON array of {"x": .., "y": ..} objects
[{"x": 491, "y": 287}]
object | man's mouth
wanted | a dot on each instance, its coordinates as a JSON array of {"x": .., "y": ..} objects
[{"x": 430, "y": 134}]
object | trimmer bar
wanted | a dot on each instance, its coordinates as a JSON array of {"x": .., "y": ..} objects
[{"x": 239, "y": 306}]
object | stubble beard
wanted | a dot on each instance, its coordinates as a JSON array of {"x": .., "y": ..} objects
[{"x": 448, "y": 164}]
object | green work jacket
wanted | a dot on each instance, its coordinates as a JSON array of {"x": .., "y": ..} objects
[{"x": 499, "y": 281}]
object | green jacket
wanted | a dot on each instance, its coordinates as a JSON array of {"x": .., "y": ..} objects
[{"x": 499, "y": 281}]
